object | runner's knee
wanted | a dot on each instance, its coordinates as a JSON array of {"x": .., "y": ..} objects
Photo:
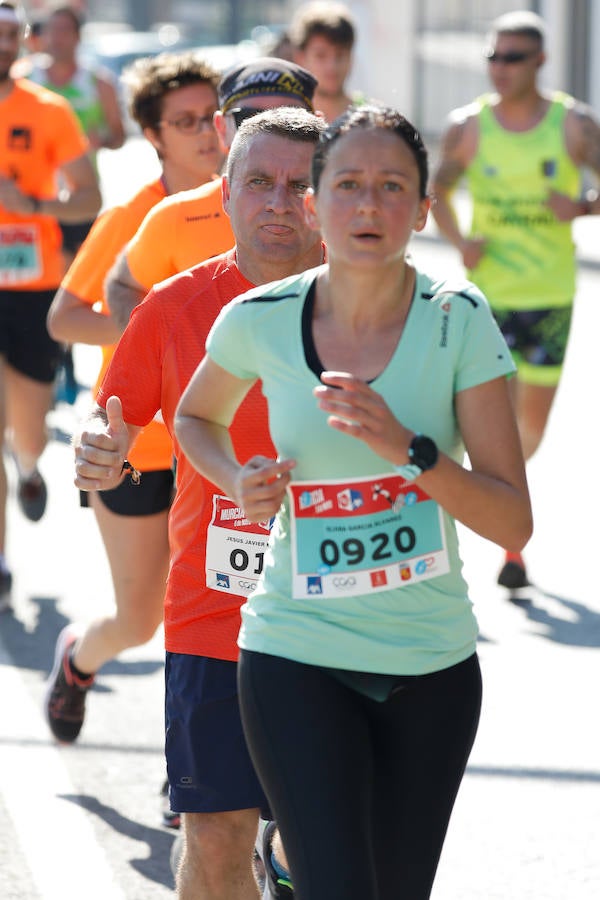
[{"x": 219, "y": 844}]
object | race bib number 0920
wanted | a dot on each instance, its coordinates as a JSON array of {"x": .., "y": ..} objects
[{"x": 370, "y": 534}]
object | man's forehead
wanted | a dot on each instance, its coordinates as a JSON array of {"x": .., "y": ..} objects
[
  {"x": 274, "y": 153},
  {"x": 513, "y": 37}
]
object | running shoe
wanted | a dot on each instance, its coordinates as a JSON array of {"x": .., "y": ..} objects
[
  {"x": 5, "y": 581},
  {"x": 5, "y": 589},
  {"x": 277, "y": 884},
  {"x": 32, "y": 496},
  {"x": 64, "y": 702},
  {"x": 170, "y": 819},
  {"x": 513, "y": 573}
]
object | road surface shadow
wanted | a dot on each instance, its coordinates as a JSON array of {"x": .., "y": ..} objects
[
  {"x": 59, "y": 435},
  {"x": 563, "y": 620},
  {"x": 33, "y": 648},
  {"x": 155, "y": 867}
]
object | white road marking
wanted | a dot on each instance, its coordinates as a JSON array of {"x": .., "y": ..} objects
[{"x": 55, "y": 835}]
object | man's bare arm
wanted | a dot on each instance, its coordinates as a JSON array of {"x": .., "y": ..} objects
[
  {"x": 457, "y": 149},
  {"x": 83, "y": 200},
  {"x": 446, "y": 176},
  {"x": 72, "y": 320},
  {"x": 582, "y": 134},
  {"x": 122, "y": 291},
  {"x": 114, "y": 136},
  {"x": 79, "y": 203}
]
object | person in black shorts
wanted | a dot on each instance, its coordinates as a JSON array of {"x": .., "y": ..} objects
[
  {"x": 521, "y": 151},
  {"x": 44, "y": 141}
]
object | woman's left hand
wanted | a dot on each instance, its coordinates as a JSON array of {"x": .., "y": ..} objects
[{"x": 358, "y": 410}]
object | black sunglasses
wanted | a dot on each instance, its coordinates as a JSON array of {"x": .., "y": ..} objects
[
  {"x": 241, "y": 113},
  {"x": 512, "y": 56}
]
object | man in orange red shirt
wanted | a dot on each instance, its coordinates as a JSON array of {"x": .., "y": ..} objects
[
  {"x": 201, "y": 622},
  {"x": 40, "y": 139}
]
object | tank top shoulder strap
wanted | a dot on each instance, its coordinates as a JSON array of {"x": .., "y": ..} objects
[
  {"x": 560, "y": 104},
  {"x": 84, "y": 81},
  {"x": 487, "y": 120}
]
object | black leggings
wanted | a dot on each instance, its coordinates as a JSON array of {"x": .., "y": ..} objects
[{"x": 362, "y": 790}]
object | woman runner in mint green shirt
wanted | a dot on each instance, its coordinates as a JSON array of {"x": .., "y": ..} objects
[{"x": 359, "y": 682}]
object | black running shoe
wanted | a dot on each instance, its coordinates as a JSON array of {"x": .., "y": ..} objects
[
  {"x": 170, "y": 819},
  {"x": 513, "y": 574},
  {"x": 5, "y": 581},
  {"x": 64, "y": 703},
  {"x": 5, "y": 589},
  {"x": 32, "y": 496}
]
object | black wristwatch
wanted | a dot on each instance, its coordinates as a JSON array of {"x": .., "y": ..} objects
[{"x": 423, "y": 455}]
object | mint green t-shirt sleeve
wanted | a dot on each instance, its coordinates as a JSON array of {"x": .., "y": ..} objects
[
  {"x": 484, "y": 353},
  {"x": 230, "y": 343}
]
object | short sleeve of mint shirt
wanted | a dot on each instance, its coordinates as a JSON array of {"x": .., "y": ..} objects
[
  {"x": 484, "y": 354},
  {"x": 245, "y": 334}
]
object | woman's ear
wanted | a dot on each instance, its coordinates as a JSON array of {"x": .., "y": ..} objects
[
  {"x": 224, "y": 134},
  {"x": 422, "y": 213}
]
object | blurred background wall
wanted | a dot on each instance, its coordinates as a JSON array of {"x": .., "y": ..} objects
[{"x": 423, "y": 56}]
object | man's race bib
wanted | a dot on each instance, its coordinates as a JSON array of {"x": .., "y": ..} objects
[
  {"x": 235, "y": 548},
  {"x": 19, "y": 254},
  {"x": 368, "y": 534}
]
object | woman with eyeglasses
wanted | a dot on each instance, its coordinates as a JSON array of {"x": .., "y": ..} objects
[
  {"x": 359, "y": 681},
  {"x": 172, "y": 98},
  {"x": 521, "y": 150}
]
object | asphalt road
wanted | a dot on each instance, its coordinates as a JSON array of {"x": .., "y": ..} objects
[{"x": 84, "y": 821}]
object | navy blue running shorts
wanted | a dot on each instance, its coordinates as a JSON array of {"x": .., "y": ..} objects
[
  {"x": 154, "y": 494},
  {"x": 208, "y": 765},
  {"x": 24, "y": 339}
]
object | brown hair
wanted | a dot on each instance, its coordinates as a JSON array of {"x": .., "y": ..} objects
[
  {"x": 150, "y": 78},
  {"x": 329, "y": 20}
]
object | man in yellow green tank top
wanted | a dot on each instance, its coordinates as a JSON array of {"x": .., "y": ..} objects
[{"x": 521, "y": 151}]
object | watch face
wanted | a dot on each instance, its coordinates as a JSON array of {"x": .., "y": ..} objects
[{"x": 423, "y": 452}]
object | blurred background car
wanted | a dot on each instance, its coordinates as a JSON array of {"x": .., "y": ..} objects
[{"x": 114, "y": 46}]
